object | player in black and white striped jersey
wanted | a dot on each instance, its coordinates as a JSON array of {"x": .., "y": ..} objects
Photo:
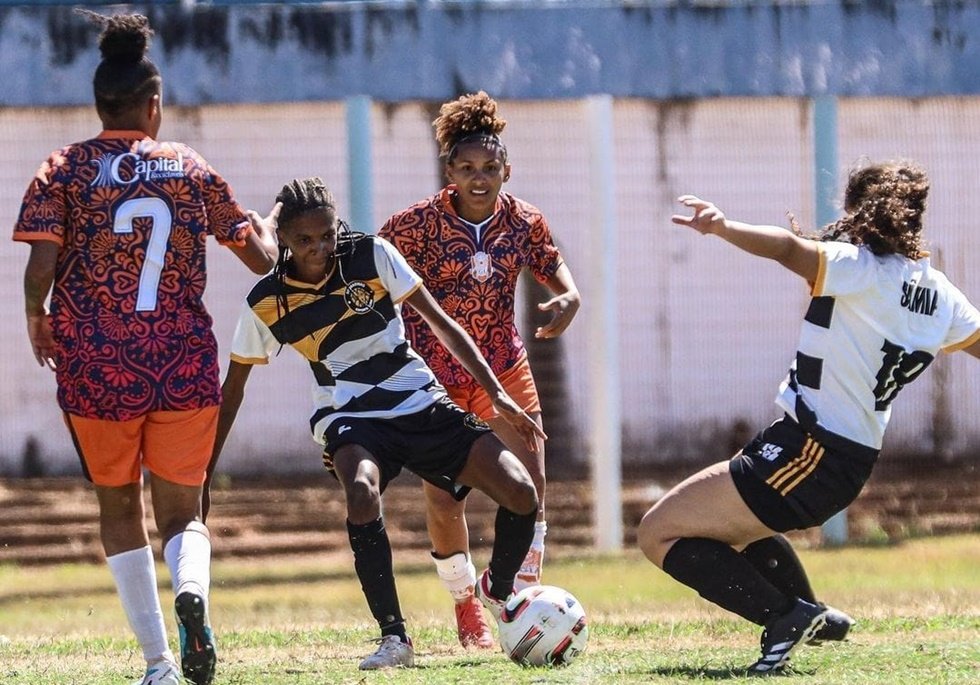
[
  {"x": 879, "y": 314},
  {"x": 334, "y": 297}
]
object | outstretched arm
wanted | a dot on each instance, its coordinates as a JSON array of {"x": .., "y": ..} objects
[
  {"x": 799, "y": 255},
  {"x": 973, "y": 349},
  {"x": 563, "y": 306},
  {"x": 458, "y": 341},
  {"x": 261, "y": 249},
  {"x": 38, "y": 278},
  {"x": 232, "y": 394}
]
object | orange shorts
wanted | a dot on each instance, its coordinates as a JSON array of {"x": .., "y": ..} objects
[
  {"x": 517, "y": 381},
  {"x": 174, "y": 445}
]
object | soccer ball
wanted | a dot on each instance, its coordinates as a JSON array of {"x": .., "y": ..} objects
[{"x": 543, "y": 625}]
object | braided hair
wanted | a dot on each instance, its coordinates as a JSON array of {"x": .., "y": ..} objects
[
  {"x": 126, "y": 77},
  {"x": 299, "y": 196},
  {"x": 883, "y": 205},
  {"x": 469, "y": 118}
]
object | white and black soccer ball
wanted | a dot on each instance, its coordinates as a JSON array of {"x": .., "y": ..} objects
[{"x": 543, "y": 625}]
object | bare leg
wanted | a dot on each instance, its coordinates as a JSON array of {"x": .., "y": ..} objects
[{"x": 705, "y": 505}]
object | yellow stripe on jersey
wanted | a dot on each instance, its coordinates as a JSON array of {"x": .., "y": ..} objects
[
  {"x": 820, "y": 282},
  {"x": 270, "y": 312},
  {"x": 798, "y": 469}
]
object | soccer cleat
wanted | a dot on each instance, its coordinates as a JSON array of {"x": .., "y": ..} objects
[
  {"x": 471, "y": 626},
  {"x": 391, "y": 653},
  {"x": 836, "y": 626},
  {"x": 783, "y": 635},
  {"x": 197, "y": 650},
  {"x": 161, "y": 673},
  {"x": 492, "y": 604}
]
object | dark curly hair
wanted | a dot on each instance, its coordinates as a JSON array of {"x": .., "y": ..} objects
[
  {"x": 471, "y": 117},
  {"x": 883, "y": 204},
  {"x": 126, "y": 77}
]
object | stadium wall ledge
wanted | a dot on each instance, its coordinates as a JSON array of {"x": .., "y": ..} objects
[{"x": 236, "y": 52}]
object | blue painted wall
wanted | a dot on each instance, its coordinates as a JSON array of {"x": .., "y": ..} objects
[{"x": 245, "y": 52}]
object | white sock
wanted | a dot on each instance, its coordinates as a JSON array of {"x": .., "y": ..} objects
[
  {"x": 540, "y": 530},
  {"x": 458, "y": 574},
  {"x": 136, "y": 584},
  {"x": 530, "y": 572},
  {"x": 188, "y": 556}
]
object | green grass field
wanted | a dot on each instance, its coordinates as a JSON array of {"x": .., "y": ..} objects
[{"x": 304, "y": 621}]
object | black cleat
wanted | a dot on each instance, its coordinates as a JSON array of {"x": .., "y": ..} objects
[
  {"x": 783, "y": 635},
  {"x": 197, "y": 652},
  {"x": 836, "y": 626}
]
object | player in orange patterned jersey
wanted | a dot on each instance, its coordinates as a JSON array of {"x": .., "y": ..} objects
[
  {"x": 117, "y": 227},
  {"x": 469, "y": 243}
]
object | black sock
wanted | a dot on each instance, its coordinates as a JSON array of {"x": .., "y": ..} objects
[
  {"x": 512, "y": 535},
  {"x": 372, "y": 562},
  {"x": 776, "y": 559},
  {"x": 723, "y": 576}
]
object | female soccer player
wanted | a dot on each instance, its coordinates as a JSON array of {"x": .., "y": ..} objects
[
  {"x": 469, "y": 243},
  {"x": 879, "y": 315},
  {"x": 117, "y": 225},
  {"x": 334, "y": 298}
]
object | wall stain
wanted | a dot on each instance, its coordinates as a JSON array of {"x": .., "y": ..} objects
[
  {"x": 324, "y": 32},
  {"x": 69, "y": 35},
  {"x": 383, "y": 23}
]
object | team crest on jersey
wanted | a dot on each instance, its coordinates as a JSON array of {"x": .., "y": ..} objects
[
  {"x": 359, "y": 297},
  {"x": 130, "y": 167},
  {"x": 474, "y": 422},
  {"x": 480, "y": 267}
]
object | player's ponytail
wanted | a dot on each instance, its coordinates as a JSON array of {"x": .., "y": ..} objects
[{"x": 126, "y": 77}]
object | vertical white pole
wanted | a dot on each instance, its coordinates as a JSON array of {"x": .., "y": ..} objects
[
  {"x": 605, "y": 411},
  {"x": 834, "y": 530},
  {"x": 359, "y": 166}
]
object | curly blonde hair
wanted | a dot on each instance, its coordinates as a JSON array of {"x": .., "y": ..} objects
[
  {"x": 472, "y": 115},
  {"x": 883, "y": 204}
]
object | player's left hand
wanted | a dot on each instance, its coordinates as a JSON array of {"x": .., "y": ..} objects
[
  {"x": 525, "y": 426},
  {"x": 563, "y": 309},
  {"x": 42, "y": 339}
]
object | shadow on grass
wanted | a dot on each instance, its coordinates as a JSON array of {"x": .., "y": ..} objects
[{"x": 705, "y": 673}]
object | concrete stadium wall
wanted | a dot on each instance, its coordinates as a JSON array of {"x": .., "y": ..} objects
[
  {"x": 432, "y": 50},
  {"x": 706, "y": 332}
]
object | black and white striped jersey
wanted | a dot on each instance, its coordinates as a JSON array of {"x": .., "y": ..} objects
[
  {"x": 349, "y": 328},
  {"x": 874, "y": 324}
]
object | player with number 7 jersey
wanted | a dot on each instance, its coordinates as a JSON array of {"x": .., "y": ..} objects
[
  {"x": 131, "y": 216},
  {"x": 118, "y": 226}
]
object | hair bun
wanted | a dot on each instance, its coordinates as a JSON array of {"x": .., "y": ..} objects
[{"x": 125, "y": 38}]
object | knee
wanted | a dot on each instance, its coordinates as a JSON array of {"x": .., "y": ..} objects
[
  {"x": 651, "y": 539},
  {"x": 524, "y": 498},
  {"x": 363, "y": 501},
  {"x": 444, "y": 512}
]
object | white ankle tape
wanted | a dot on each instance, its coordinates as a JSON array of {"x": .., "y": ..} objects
[{"x": 457, "y": 574}]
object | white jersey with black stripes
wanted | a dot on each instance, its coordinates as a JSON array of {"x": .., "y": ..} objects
[{"x": 874, "y": 324}]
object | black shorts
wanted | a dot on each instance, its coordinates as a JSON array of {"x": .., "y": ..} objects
[
  {"x": 434, "y": 443},
  {"x": 793, "y": 479}
]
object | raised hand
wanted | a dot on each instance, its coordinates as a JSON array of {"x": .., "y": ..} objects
[{"x": 707, "y": 218}]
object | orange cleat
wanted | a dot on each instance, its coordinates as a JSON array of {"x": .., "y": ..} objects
[{"x": 471, "y": 626}]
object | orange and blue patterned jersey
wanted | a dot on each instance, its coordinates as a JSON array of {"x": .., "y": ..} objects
[
  {"x": 131, "y": 216},
  {"x": 472, "y": 272}
]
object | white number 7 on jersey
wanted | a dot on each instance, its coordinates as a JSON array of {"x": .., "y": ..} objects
[{"x": 156, "y": 249}]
